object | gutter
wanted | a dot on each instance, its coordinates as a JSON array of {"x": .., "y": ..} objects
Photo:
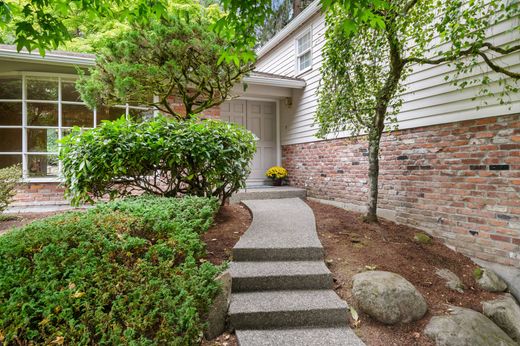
[
  {"x": 49, "y": 58},
  {"x": 277, "y": 82},
  {"x": 306, "y": 14}
]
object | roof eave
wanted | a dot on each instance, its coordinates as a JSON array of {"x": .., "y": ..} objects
[
  {"x": 309, "y": 11},
  {"x": 48, "y": 59},
  {"x": 275, "y": 82}
]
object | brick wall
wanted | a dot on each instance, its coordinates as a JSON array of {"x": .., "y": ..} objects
[
  {"x": 210, "y": 113},
  {"x": 39, "y": 194},
  {"x": 459, "y": 181}
]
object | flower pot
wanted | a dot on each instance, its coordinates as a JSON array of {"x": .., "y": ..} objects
[{"x": 277, "y": 182}]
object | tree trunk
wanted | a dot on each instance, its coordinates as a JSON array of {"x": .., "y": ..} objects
[
  {"x": 373, "y": 176},
  {"x": 297, "y": 7}
]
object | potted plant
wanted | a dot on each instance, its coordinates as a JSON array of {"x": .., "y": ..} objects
[{"x": 277, "y": 174}]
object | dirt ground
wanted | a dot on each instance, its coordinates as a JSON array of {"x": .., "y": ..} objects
[
  {"x": 230, "y": 223},
  {"x": 352, "y": 246},
  {"x": 9, "y": 221}
]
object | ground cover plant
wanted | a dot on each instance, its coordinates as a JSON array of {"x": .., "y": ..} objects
[
  {"x": 127, "y": 272},
  {"x": 161, "y": 156}
]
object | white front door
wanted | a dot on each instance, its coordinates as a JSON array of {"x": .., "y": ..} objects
[{"x": 258, "y": 117}]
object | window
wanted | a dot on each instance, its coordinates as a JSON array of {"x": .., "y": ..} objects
[
  {"x": 304, "y": 52},
  {"x": 36, "y": 110}
]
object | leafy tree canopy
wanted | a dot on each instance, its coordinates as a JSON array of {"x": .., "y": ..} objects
[
  {"x": 176, "y": 55},
  {"x": 364, "y": 69}
]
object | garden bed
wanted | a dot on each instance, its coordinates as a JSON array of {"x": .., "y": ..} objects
[
  {"x": 352, "y": 246},
  {"x": 9, "y": 221}
]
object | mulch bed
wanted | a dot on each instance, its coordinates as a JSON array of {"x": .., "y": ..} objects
[
  {"x": 9, "y": 221},
  {"x": 230, "y": 223},
  {"x": 353, "y": 246}
]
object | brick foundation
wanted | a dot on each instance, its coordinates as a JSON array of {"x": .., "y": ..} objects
[
  {"x": 459, "y": 181},
  {"x": 39, "y": 194}
]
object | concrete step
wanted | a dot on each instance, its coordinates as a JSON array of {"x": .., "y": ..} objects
[
  {"x": 267, "y": 192},
  {"x": 243, "y": 253},
  {"x": 295, "y": 275},
  {"x": 281, "y": 309},
  {"x": 340, "y": 336}
]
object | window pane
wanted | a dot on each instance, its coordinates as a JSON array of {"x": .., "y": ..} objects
[
  {"x": 11, "y": 113},
  {"x": 11, "y": 140},
  {"x": 11, "y": 88},
  {"x": 77, "y": 115},
  {"x": 304, "y": 61},
  {"x": 69, "y": 92},
  {"x": 304, "y": 43},
  {"x": 42, "y": 89},
  {"x": 42, "y": 140},
  {"x": 9, "y": 160},
  {"x": 140, "y": 114},
  {"x": 42, "y": 114},
  {"x": 112, "y": 113},
  {"x": 43, "y": 165}
]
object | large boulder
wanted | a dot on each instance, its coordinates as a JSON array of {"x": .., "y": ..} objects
[
  {"x": 466, "y": 327},
  {"x": 217, "y": 315},
  {"x": 490, "y": 281},
  {"x": 505, "y": 312},
  {"x": 388, "y": 297}
]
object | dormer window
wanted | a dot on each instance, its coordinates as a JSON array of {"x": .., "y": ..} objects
[{"x": 304, "y": 52}]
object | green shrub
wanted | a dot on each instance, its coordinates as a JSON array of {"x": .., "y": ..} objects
[
  {"x": 126, "y": 272},
  {"x": 160, "y": 156},
  {"x": 9, "y": 178}
]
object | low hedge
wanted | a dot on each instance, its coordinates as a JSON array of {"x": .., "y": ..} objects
[{"x": 125, "y": 272}]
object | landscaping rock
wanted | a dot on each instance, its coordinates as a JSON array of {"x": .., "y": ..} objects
[
  {"x": 466, "y": 327},
  {"x": 218, "y": 312},
  {"x": 452, "y": 280},
  {"x": 388, "y": 297},
  {"x": 490, "y": 281},
  {"x": 505, "y": 312}
]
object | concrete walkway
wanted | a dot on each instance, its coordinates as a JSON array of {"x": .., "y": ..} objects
[{"x": 281, "y": 289}]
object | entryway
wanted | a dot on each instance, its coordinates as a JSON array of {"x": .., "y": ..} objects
[{"x": 260, "y": 118}]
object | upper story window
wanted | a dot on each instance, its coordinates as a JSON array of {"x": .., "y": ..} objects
[
  {"x": 36, "y": 110},
  {"x": 304, "y": 52}
]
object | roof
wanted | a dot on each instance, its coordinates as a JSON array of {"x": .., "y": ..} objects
[
  {"x": 306, "y": 14},
  {"x": 58, "y": 57},
  {"x": 52, "y": 57},
  {"x": 271, "y": 79}
]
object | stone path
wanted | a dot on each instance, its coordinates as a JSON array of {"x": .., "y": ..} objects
[{"x": 281, "y": 289}]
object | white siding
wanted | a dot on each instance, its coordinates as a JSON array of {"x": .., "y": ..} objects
[{"x": 429, "y": 99}]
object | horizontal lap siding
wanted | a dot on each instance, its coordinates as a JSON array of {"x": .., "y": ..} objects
[{"x": 428, "y": 100}]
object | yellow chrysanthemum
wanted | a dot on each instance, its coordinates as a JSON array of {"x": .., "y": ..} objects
[{"x": 276, "y": 172}]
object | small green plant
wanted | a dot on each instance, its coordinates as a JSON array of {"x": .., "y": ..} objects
[
  {"x": 161, "y": 156},
  {"x": 9, "y": 178},
  {"x": 129, "y": 272},
  {"x": 422, "y": 238},
  {"x": 477, "y": 273}
]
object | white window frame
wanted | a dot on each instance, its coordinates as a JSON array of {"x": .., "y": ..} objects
[
  {"x": 299, "y": 55},
  {"x": 25, "y": 152}
]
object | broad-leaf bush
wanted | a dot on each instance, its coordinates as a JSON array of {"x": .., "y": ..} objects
[
  {"x": 129, "y": 272},
  {"x": 161, "y": 156}
]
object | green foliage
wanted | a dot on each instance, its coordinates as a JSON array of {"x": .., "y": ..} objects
[
  {"x": 477, "y": 273},
  {"x": 9, "y": 178},
  {"x": 129, "y": 272},
  {"x": 161, "y": 156},
  {"x": 370, "y": 50},
  {"x": 42, "y": 25},
  {"x": 178, "y": 55},
  {"x": 422, "y": 238}
]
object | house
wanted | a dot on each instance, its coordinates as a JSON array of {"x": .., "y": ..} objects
[{"x": 452, "y": 168}]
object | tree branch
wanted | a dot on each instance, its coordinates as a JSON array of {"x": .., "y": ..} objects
[{"x": 497, "y": 68}]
